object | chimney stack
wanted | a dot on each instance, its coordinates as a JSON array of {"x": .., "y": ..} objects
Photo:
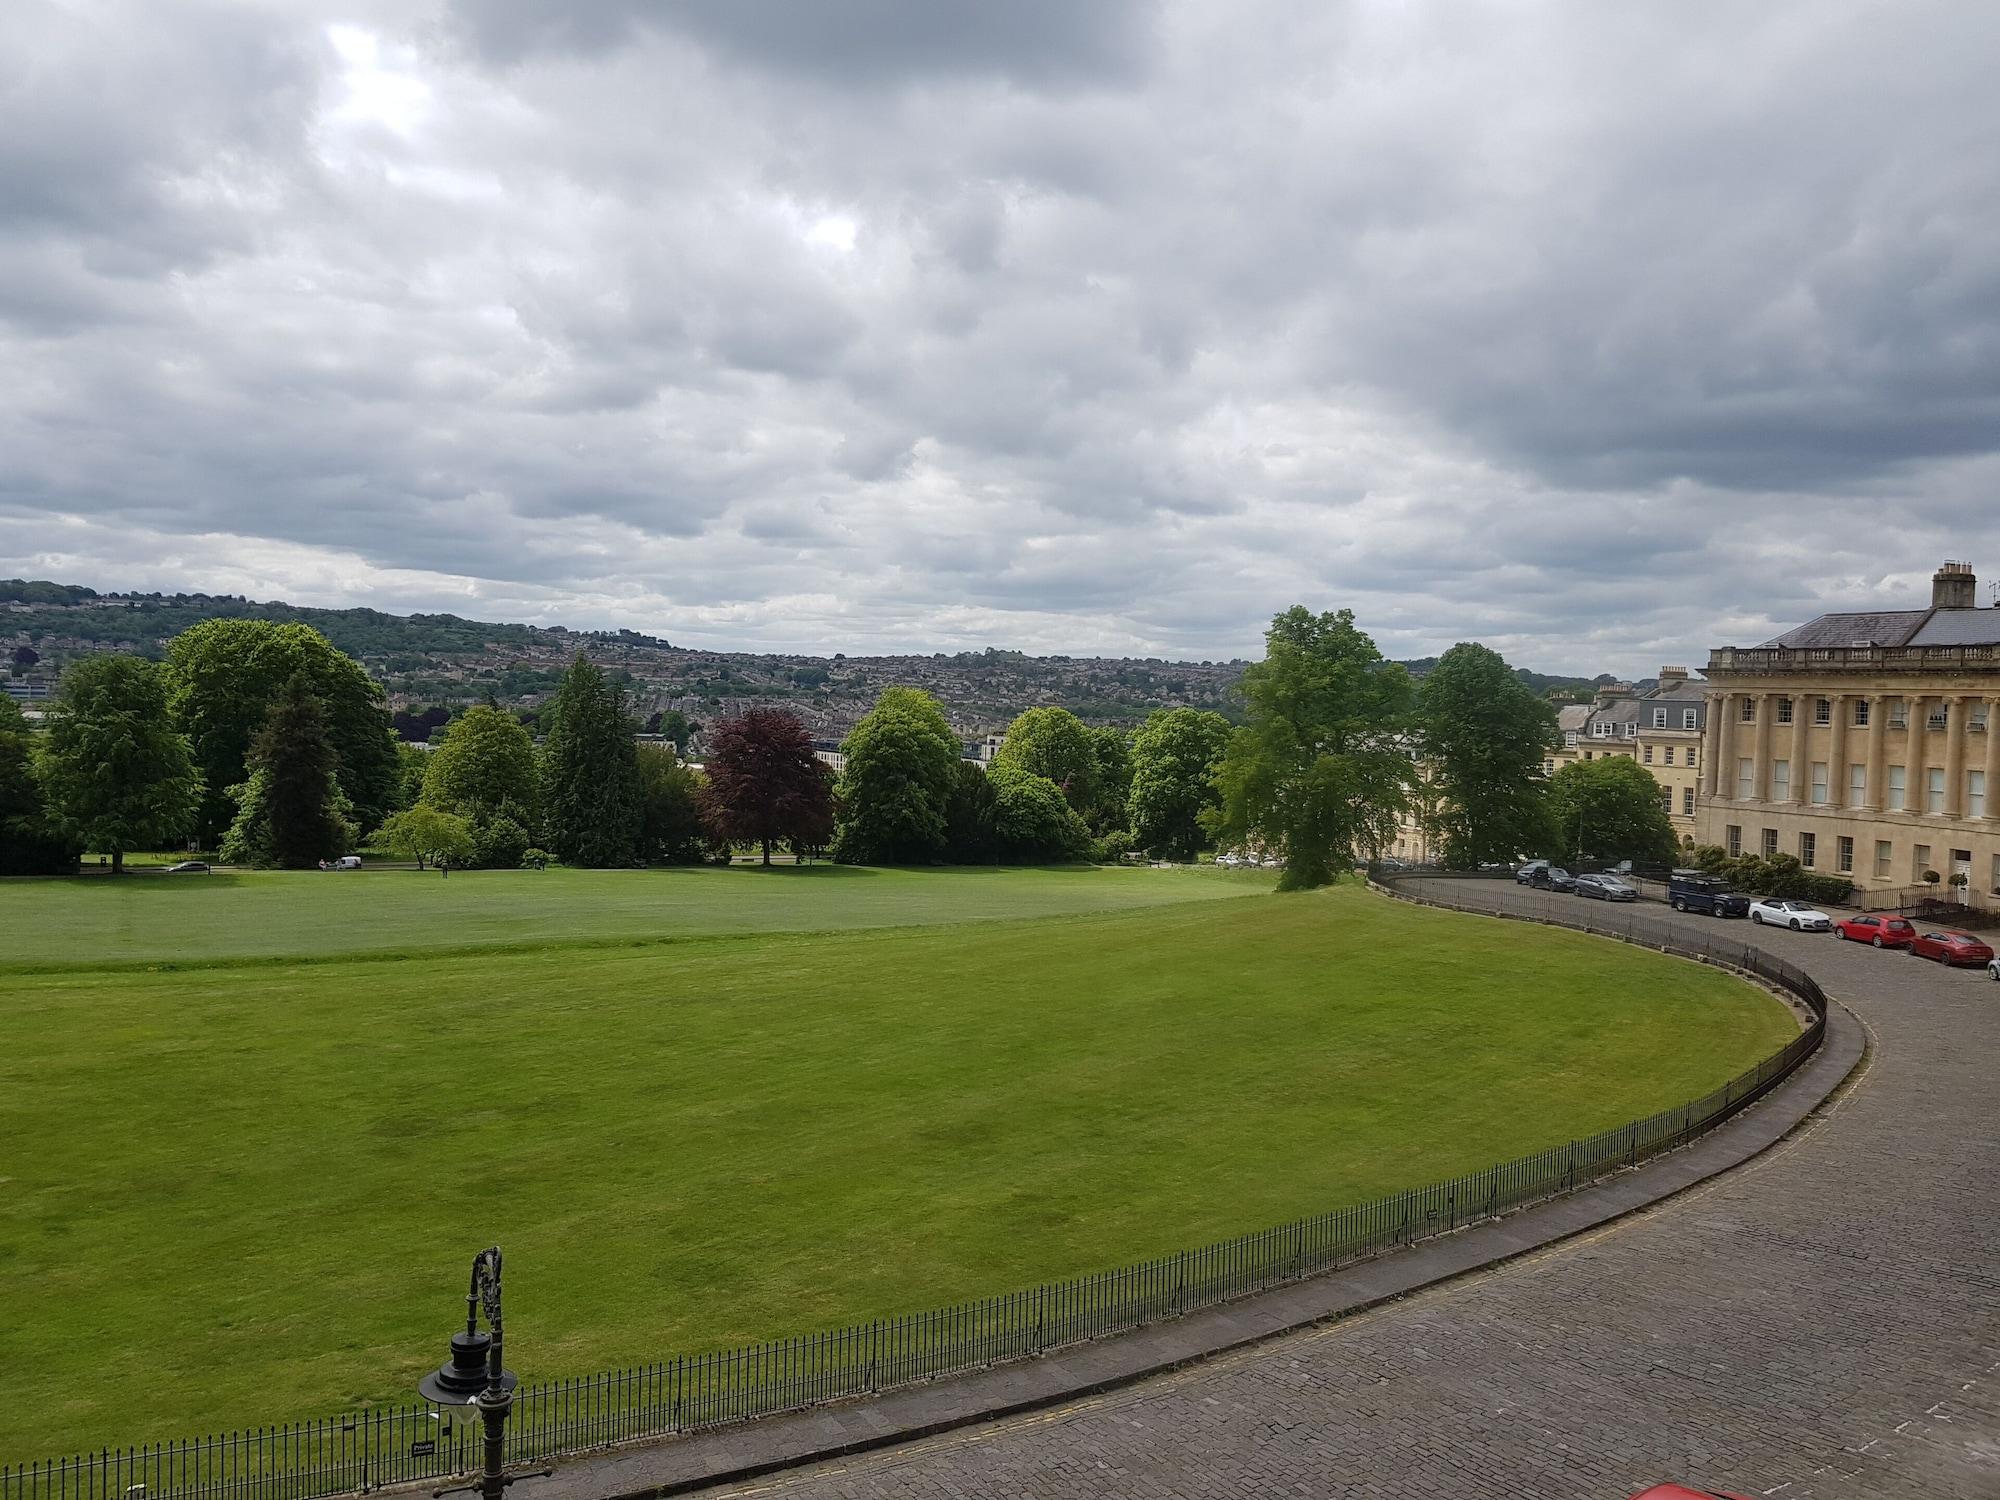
[
  {"x": 1672, "y": 677},
  {"x": 1953, "y": 586}
]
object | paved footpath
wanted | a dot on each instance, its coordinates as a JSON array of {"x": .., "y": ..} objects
[{"x": 1824, "y": 1322}]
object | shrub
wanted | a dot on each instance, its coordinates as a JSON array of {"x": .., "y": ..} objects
[
  {"x": 1109, "y": 849},
  {"x": 535, "y": 859},
  {"x": 499, "y": 843}
]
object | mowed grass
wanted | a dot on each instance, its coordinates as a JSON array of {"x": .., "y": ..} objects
[
  {"x": 199, "y": 918},
  {"x": 241, "y": 1195}
]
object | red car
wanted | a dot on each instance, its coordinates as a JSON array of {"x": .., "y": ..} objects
[
  {"x": 1876, "y": 931},
  {"x": 1951, "y": 948},
  {"x": 1682, "y": 1492}
]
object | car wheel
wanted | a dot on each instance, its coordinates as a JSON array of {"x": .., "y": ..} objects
[
  {"x": 1756, "y": 919},
  {"x": 1841, "y": 933},
  {"x": 1795, "y": 924},
  {"x": 1876, "y": 941}
]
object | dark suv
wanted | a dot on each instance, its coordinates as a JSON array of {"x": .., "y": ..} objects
[{"x": 1692, "y": 890}]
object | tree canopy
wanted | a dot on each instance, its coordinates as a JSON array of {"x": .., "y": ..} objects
[
  {"x": 1321, "y": 771},
  {"x": 590, "y": 772},
  {"x": 28, "y": 844},
  {"x": 1609, "y": 809},
  {"x": 896, "y": 789},
  {"x": 1054, "y": 743},
  {"x": 292, "y": 813},
  {"x": 116, "y": 775},
  {"x": 223, "y": 677},
  {"x": 670, "y": 826},
  {"x": 765, "y": 785},
  {"x": 429, "y": 836},
  {"x": 1032, "y": 820},
  {"x": 484, "y": 763},
  {"x": 1483, "y": 735},
  {"x": 1174, "y": 757}
]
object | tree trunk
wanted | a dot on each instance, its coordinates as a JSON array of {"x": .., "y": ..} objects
[
  {"x": 117, "y": 861},
  {"x": 767, "y": 854}
]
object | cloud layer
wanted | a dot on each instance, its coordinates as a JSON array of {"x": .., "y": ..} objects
[{"x": 1601, "y": 333}]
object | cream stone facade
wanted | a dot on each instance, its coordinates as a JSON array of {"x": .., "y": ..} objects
[{"x": 1866, "y": 745}]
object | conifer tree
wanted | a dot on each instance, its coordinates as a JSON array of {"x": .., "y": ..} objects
[{"x": 590, "y": 772}]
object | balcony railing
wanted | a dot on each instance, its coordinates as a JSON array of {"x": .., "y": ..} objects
[{"x": 1854, "y": 658}]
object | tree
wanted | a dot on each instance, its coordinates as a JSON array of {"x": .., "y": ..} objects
[
  {"x": 1111, "y": 774},
  {"x": 896, "y": 790},
  {"x": 484, "y": 764},
  {"x": 1482, "y": 737},
  {"x": 412, "y": 765},
  {"x": 672, "y": 724},
  {"x": 670, "y": 826},
  {"x": 115, "y": 774},
  {"x": 224, "y": 675},
  {"x": 28, "y": 844},
  {"x": 1032, "y": 819},
  {"x": 1609, "y": 809},
  {"x": 292, "y": 812},
  {"x": 590, "y": 772},
  {"x": 1054, "y": 743},
  {"x": 429, "y": 836},
  {"x": 765, "y": 785},
  {"x": 1174, "y": 756},
  {"x": 969, "y": 817},
  {"x": 25, "y": 657},
  {"x": 1321, "y": 770}
]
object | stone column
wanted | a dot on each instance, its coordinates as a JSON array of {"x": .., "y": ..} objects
[
  {"x": 1837, "y": 711},
  {"x": 1721, "y": 708},
  {"x": 1917, "y": 754},
  {"x": 1993, "y": 760},
  {"x": 1878, "y": 752},
  {"x": 1801, "y": 764},
  {"x": 1955, "y": 710},
  {"x": 1760, "y": 749}
]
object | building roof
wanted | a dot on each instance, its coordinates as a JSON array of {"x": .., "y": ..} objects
[
  {"x": 1959, "y": 627},
  {"x": 1871, "y": 627},
  {"x": 1572, "y": 716}
]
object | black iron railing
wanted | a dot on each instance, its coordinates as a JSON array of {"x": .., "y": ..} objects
[{"x": 397, "y": 1445}]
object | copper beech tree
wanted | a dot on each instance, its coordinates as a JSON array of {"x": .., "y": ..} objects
[{"x": 765, "y": 785}]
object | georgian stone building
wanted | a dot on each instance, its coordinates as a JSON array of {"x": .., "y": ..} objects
[{"x": 1865, "y": 744}]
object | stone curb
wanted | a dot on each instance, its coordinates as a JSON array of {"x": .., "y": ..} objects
[{"x": 733, "y": 1455}]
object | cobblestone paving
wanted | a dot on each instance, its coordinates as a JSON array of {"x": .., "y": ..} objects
[{"x": 1823, "y": 1323}]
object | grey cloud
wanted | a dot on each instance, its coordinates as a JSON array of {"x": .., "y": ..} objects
[{"x": 1588, "y": 329}]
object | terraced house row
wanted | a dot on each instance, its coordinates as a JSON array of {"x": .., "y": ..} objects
[{"x": 1866, "y": 744}]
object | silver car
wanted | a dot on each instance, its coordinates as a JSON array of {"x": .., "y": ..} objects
[{"x": 1800, "y": 916}]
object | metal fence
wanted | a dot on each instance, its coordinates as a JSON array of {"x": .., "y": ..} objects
[{"x": 368, "y": 1450}]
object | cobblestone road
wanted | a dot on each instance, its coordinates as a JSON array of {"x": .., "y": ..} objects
[{"x": 1822, "y": 1323}]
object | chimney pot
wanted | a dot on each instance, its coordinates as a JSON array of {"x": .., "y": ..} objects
[{"x": 1954, "y": 586}]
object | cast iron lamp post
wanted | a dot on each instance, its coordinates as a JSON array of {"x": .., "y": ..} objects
[{"x": 474, "y": 1376}]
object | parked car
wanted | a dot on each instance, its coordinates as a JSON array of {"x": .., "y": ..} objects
[
  {"x": 1800, "y": 916},
  {"x": 1692, "y": 890},
  {"x": 1529, "y": 872},
  {"x": 1606, "y": 888},
  {"x": 1876, "y": 930},
  {"x": 1951, "y": 948},
  {"x": 1993, "y": 969},
  {"x": 188, "y": 867},
  {"x": 345, "y": 862}
]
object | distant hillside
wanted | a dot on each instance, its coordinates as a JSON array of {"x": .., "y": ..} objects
[{"x": 423, "y": 660}]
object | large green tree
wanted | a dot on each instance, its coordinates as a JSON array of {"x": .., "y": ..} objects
[
  {"x": 1054, "y": 743},
  {"x": 1482, "y": 736},
  {"x": 670, "y": 826},
  {"x": 1111, "y": 753},
  {"x": 894, "y": 795},
  {"x": 969, "y": 816},
  {"x": 1321, "y": 771},
  {"x": 483, "y": 766},
  {"x": 28, "y": 844},
  {"x": 1032, "y": 819},
  {"x": 292, "y": 812},
  {"x": 590, "y": 771},
  {"x": 1609, "y": 809},
  {"x": 429, "y": 836},
  {"x": 223, "y": 677},
  {"x": 1174, "y": 757},
  {"x": 115, "y": 773}
]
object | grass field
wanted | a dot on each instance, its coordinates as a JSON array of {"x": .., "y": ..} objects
[
  {"x": 200, "y": 918},
  {"x": 245, "y": 1193}
]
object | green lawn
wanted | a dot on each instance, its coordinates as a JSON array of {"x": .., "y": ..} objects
[
  {"x": 241, "y": 1194},
  {"x": 198, "y": 918}
]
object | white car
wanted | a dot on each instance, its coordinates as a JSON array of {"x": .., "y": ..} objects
[
  {"x": 1993, "y": 969},
  {"x": 1797, "y": 915}
]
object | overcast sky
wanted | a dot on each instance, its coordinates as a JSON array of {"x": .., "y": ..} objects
[{"x": 1604, "y": 333}]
